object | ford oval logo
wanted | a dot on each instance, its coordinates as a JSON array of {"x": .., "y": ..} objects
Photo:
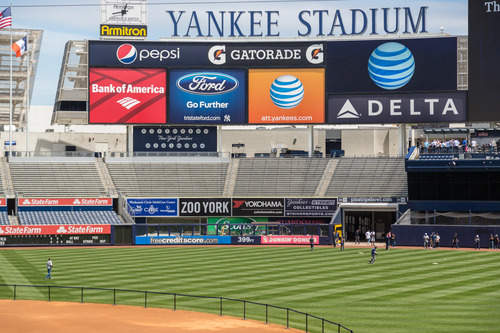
[{"x": 207, "y": 83}]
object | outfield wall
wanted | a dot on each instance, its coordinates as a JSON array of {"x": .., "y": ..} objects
[{"x": 412, "y": 235}]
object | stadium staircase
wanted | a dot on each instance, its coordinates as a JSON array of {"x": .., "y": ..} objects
[
  {"x": 6, "y": 179},
  {"x": 231, "y": 177},
  {"x": 327, "y": 177},
  {"x": 356, "y": 177},
  {"x": 105, "y": 176}
]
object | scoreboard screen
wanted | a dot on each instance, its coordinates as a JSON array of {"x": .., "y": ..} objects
[{"x": 55, "y": 239}]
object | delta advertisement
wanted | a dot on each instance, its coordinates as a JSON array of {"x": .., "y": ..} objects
[
  {"x": 153, "y": 207},
  {"x": 55, "y": 230},
  {"x": 286, "y": 96},
  {"x": 127, "y": 96},
  {"x": 397, "y": 108},
  {"x": 175, "y": 138},
  {"x": 199, "y": 96},
  {"x": 380, "y": 66}
]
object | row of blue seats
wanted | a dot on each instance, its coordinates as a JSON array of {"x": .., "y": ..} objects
[{"x": 68, "y": 217}]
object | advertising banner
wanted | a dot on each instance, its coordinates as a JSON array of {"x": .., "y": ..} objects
[
  {"x": 65, "y": 202},
  {"x": 182, "y": 240},
  {"x": 263, "y": 55},
  {"x": 484, "y": 64},
  {"x": 175, "y": 139},
  {"x": 286, "y": 96},
  {"x": 3, "y": 202},
  {"x": 204, "y": 207},
  {"x": 207, "y": 97},
  {"x": 409, "y": 65},
  {"x": 234, "y": 225},
  {"x": 288, "y": 239},
  {"x": 55, "y": 230},
  {"x": 374, "y": 200},
  {"x": 171, "y": 54},
  {"x": 397, "y": 108},
  {"x": 310, "y": 206},
  {"x": 127, "y": 96},
  {"x": 153, "y": 207},
  {"x": 258, "y": 207},
  {"x": 146, "y": 54},
  {"x": 302, "y": 220}
]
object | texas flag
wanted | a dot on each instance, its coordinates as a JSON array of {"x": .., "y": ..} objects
[{"x": 20, "y": 46}]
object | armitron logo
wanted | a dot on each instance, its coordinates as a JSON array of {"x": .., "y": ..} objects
[
  {"x": 128, "y": 102},
  {"x": 207, "y": 83},
  {"x": 217, "y": 54},
  {"x": 348, "y": 111},
  {"x": 122, "y": 30},
  {"x": 126, "y": 54},
  {"x": 314, "y": 54}
]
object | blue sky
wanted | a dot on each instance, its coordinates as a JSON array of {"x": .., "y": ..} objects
[{"x": 80, "y": 19}]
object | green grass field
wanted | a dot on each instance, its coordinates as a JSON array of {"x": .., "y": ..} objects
[{"x": 406, "y": 290}]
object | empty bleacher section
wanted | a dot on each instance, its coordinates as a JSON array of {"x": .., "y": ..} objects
[
  {"x": 372, "y": 177},
  {"x": 169, "y": 178},
  {"x": 56, "y": 179},
  {"x": 68, "y": 217},
  {"x": 4, "y": 218},
  {"x": 279, "y": 177}
]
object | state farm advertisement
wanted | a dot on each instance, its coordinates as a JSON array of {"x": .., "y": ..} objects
[
  {"x": 288, "y": 239},
  {"x": 127, "y": 96},
  {"x": 64, "y": 202},
  {"x": 3, "y": 202},
  {"x": 55, "y": 230}
]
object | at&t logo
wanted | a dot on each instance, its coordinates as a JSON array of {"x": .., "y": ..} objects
[
  {"x": 287, "y": 92},
  {"x": 126, "y": 54}
]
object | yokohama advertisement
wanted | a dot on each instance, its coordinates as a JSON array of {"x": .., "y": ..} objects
[
  {"x": 258, "y": 207},
  {"x": 127, "y": 96},
  {"x": 65, "y": 202},
  {"x": 55, "y": 230},
  {"x": 288, "y": 239}
]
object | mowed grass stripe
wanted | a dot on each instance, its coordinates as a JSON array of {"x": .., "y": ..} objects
[{"x": 402, "y": 292}]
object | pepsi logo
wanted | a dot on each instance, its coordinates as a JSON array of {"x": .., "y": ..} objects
[
  {"x": 126, "y": 54},
  {"x": 287, "y": 92}
]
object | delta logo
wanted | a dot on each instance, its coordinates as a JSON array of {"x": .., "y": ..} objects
[{"x": 126, "y": 54}]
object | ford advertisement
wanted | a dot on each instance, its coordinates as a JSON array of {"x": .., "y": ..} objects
[{"x": 207, "y": 97}]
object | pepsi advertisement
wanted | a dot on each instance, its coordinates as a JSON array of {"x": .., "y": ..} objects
[
  {"x": 381, "y": 66},
  {"x": 145, "y": 54},
  {"x": 207, "y": 97},
  {"x": 175, "y": 138}
]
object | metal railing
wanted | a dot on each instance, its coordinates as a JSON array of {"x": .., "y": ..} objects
[{"x": 305, "y": 319}]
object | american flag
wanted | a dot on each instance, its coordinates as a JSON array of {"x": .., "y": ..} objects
[{"x": 5, "y": 18}]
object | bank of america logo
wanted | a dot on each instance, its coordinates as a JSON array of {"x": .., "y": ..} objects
[
  {"x": 348, "y": 111},
  {"x": 128, "y": 102}
]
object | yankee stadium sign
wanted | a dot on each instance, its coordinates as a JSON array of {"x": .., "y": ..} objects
[{"x": 310, "y": 23}]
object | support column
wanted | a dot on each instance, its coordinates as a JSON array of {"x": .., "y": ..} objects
[
  {"x": 310, "y": 129},
  {"x": 130, "y": 139},
  {"x": 402, "y": 140}
]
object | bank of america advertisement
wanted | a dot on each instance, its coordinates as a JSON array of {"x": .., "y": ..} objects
[
  {"x": 127, "y": 96},
  {"x": 446, "y": 107},
  {"x": 207, "y": 97},
  {"x": 382, "y": 66},
  {"x": 286, "y": 96}
]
